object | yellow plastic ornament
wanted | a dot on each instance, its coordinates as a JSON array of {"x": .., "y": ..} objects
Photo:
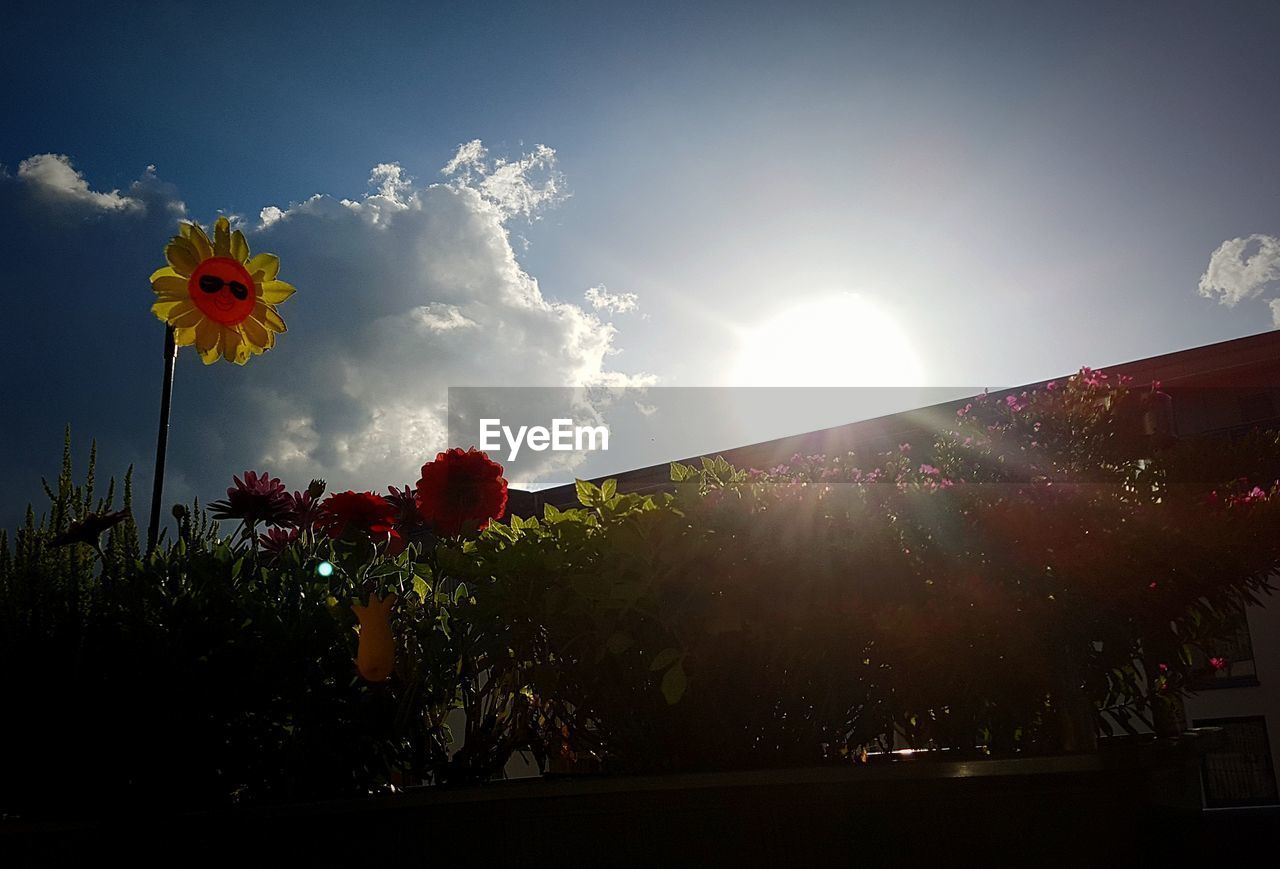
[
  {"x": 376, "y": 654},
  {"x": 218, "y": 297}
]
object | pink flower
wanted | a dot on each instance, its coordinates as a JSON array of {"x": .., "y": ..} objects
[
  {"x": 904, "y": 448},
  {"x": 1016, "y": 403},
  {"x": 1051, "y": 386},
  {"x": 930, "y": 470},
  {"x": 1164, "y": 668},
  {"x": 277, "y": 540},
  {"x": 256, "y": 498},
  {"x": 1091, "y": 377},
  {"x": 1253, "y": 496},
  {"x": 1218, "y": 663},
  {"x": 964, "y": 410}
]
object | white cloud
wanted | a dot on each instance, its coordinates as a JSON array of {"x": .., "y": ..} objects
[
  {"x": 53, "y": 176},
  {"x": 1275, "y": 313},
  {"x": 515, "y": 188},
  {"x": 402, "y": 293},
  {"x": 270, "y": 215},
  {"x": 1242, "y": 269},
  {"x": 601, "y": 299}
]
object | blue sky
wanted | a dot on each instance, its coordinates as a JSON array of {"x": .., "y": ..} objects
[{"x": 1016, "y": 190}]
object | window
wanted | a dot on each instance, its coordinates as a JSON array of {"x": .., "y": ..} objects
[
  {"x": 1240, "y": 773},
  {"x": 1228, "y": 660}
]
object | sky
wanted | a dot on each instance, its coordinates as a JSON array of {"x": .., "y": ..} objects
[{"x": 631, "y": 195}]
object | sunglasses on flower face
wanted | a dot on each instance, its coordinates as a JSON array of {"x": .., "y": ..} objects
[{"x": 212, "y": 283}]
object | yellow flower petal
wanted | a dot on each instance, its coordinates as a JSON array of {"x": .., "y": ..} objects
[
  {"x": 239, "y": 247},
  {"x": 275, "y": 292},
  {"x": 208, "y": 336},
  {"x": 165, "y": 272},
  {"x": 170, "y": 285},
  {"x": 234, "y": 349},
  {"x": 169, "y": 296},
  {"x": 184, "y": 336},
  {"x": 165, "y": 310},
  {"x": 181, "y": 254},
  {"x": 194, "y": 234},
  {"x": 222, "y": 237},
  {"x": 263, "y": 267},
  {"x": 258, "y": 335},
  {"x": 267, "y": 315},
  {"x": 186, "y": 315}
]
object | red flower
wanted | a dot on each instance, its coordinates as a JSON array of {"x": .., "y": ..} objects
[
  {"x": 461, "y": 491},
  {"x": 364, "y": 512}
]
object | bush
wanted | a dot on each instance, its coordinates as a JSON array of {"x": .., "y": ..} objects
[{"x": 210, "y": 672}]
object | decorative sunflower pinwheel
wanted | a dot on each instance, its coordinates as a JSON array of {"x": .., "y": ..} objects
[
  {"x": 216, "y": 296},
  {"x": 213, "y": 295}
]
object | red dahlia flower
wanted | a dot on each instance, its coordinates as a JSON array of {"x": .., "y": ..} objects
[
  {"x": 360, "y": 511},
  {"x": 461, "y": 491}
]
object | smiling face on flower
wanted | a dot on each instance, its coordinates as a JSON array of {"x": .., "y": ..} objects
[
  {"x": 222, "y": 289},
  {"x": 216, "y": 296}
]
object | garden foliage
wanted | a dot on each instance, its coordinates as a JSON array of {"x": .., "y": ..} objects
[{"x": 1042, "y": 567}]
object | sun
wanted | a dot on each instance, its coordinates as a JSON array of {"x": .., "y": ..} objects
[
  {"x": 216, "y": 296},
  {"x": 841, "y": 340}
]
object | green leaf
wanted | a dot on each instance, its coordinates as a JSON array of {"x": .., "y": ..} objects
[
  {"x": 609, "y": 489},
  {"x": 460, "y": 593},
  {"x": 674, "y": 683},
  {"x": 385, "y": 569},
  {"x": 665, "y": 659},
  {"x": 588, "y": 494},
  {"x": 421, "y": 587}
]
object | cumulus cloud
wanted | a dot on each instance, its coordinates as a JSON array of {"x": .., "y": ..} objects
[
  {"x": 53, "y": 176},
  {"x": 1242, "y": 269},
  {"x": 427, "y": 294},
  {"x": 601, "y": 299},
  {"x": 404, "y": 291},
  {"x": 514, "y": 188}
]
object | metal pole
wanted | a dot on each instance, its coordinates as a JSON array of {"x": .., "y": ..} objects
[{"x": 162, "y": 438}]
